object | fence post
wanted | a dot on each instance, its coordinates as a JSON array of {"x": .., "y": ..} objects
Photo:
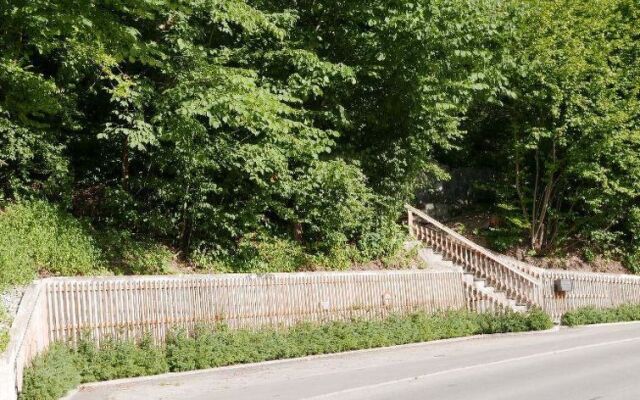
[{"x": 410, "y": 221}]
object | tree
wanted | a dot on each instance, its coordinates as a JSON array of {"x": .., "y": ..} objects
[
  {"x": 418, "y": 65},
  {"x": 568, "y": 138},
  {"x": 192, "y": 121}
]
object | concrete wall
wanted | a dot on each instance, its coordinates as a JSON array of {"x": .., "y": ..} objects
[
  {"x": 29, "y": 335},
  {"x": 61, "y": 309}
]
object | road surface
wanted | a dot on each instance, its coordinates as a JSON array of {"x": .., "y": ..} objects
[{"x": 589, "y": 363}]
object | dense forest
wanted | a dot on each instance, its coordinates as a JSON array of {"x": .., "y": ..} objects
[{"x": 261, "y": 135}]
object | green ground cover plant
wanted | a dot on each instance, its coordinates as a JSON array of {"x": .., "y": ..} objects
[
  {"x": 592, "y": 315},
  {"x": 52, "y": 374},
  {"x": 63, "y": 367},
  {"x": 39, "y": 238},
  {"x": 5, "y": 324}
]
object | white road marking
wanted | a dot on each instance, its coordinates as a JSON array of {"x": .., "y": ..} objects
[{"x": 466, "y": 368}]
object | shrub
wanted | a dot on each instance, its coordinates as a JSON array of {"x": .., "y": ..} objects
[
  {"x": 126, "y": 255},
  {"x": 264, "y": 253},
  {"x": 37, "y": 236},
  {"x": 539, "y": 320},
  {"x": 215, "y": 346},
  {"x": 51, "y": 375},
  {"x": 5, "y": 324},
  {"x": 181, "y": 351},
  {"x": 218, "y": 346},
  {"x": 336, "y": 258},
  {"x": 120, "y": 359},
  {"x": 510, "y": 321},
  {"x": 593, "y": 315}
]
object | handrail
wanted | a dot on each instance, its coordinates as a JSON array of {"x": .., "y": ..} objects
[{"x": 470, "y": 244}]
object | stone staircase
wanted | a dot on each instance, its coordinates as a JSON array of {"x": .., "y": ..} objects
[
  {"x": 484, "y": 297},
  {"x": 492, "y": 283}
]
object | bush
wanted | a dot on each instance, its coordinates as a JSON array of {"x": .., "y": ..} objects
[
  {"x": 5, "y": 324},
  {"x": 126, "y": 255},
  {"x": 592, "y": 315},
  {"x": 120, "y": 359},
  {"x": 263, "y": 253},
  {"x": 61, "y": 368},
  {"x": 38, "y": 237},
  {"x": 51, "y": 375},
  {"x": 219, "y": 346}
]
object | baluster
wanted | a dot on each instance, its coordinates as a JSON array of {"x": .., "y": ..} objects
[{"x": 410, "y": 221}]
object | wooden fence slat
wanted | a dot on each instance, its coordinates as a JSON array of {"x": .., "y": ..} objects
[{"x": 128, "y": 307}]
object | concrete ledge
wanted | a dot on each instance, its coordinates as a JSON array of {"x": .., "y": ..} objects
[{"x": 12, "y": 360}]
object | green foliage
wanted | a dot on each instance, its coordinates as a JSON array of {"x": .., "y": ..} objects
[
  {"x": 206, "y": 124},
  {"x": 51, "y": 375},
  {"x": 38, "y": 237},
  {"x": 418, "y": 66},
  {"x": 4, "y": 339},
  {"x": 268, "y": 254},
  {"x": 592, "y": 315},
  {"x": 216, "y": 346},
  {"x": 126, "y": 255},
  {"x": 503, "y": 238},
  {"x": 120, "y": 359},
  {"x": 565, "y": 144},
  {"x": 5, "y": 325},
  {"x": 200, "y": 123}
]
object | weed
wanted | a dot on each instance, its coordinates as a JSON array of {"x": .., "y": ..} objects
[
  {"x": 217, "y": 345},
  {"x": 593, "y": 315}
]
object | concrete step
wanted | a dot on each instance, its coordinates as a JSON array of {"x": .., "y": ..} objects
[
  {"x": 435, "y": 260},
  {"x": 468, "y": 278}
]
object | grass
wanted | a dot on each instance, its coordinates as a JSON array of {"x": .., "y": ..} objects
[
  {"x": 62, "y": 367},
  {"x": 5, "y": 324},
  {"x": 37, "y": 238},
  {"x": 592, "y": 315}
]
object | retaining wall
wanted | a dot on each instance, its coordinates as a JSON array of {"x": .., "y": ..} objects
[
  {"x": 29, "y": 335},
  {"x": 61, "y": 309},
  {"x": 589, "y": 289}
]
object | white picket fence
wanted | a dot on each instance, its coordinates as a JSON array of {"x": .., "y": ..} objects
[
  {"x": 63, "y": 309},
  {"x": 130, "y": 306},
  {"x": 589, "y": 289}
]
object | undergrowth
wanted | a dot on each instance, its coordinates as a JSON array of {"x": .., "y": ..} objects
[
  {"x": 5, "y": 324},
  {"x": 63, "y": 367},
  {"x": 40, "y": 239},
  {"x": 37, "y": 238},
  {"x": 592, "y": 315}
]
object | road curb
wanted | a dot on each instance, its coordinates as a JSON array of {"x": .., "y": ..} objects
[
  {"x": 125, "y": 381},
  {"x": 239, "y": 367},
  {"x": 601, "y": 325}
]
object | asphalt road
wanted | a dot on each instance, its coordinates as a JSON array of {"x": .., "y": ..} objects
[{"x": 590, "y": 363}]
